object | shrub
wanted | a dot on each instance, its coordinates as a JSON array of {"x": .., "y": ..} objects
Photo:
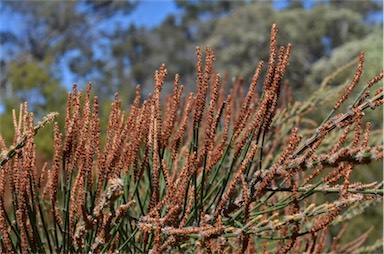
[{"x": 204, "y": 172}]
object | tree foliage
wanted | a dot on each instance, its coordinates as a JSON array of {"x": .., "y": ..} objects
[
  {"x": 53, "y": 33},
  {"x": 240, "y": 38}
]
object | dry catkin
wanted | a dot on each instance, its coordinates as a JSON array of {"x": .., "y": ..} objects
[{"x": 353, "y": 83}]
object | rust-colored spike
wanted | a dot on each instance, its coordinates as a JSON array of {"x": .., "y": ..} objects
[
  {"x": 272, "y": 56},
  {"x": 241, "y": 119},
  {"x": 353, "y": 83},
  {"x": 203, "y": 83},
  {"x": 367, "y": 131}
]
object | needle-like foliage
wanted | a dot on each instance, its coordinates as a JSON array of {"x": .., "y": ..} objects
[{"x": 213, "y": 171}]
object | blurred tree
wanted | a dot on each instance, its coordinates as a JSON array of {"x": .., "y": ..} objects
[
  {"x": 48, "y": 34},
  {"x": 238, "y": 32},
  {"x": 293, "y": 4},
  {"x": 198, "y": 17},
  {"x": 372, "y": 45},
  {"x": 241, "y": 39},
  {"x": 58, "y": 29},
  {"x": 52, "y": 32},
  {"x": 141, "y": 51},
  {"x": 365, "y": 7}
]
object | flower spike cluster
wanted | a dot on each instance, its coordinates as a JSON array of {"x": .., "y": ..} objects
[{"x": 219, "y": 170}]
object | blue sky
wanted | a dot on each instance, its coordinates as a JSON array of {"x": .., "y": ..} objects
[{"x": 152, "y": 12}]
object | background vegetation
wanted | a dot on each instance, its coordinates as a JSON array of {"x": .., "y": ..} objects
[{"x": 81, "y": 41}]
